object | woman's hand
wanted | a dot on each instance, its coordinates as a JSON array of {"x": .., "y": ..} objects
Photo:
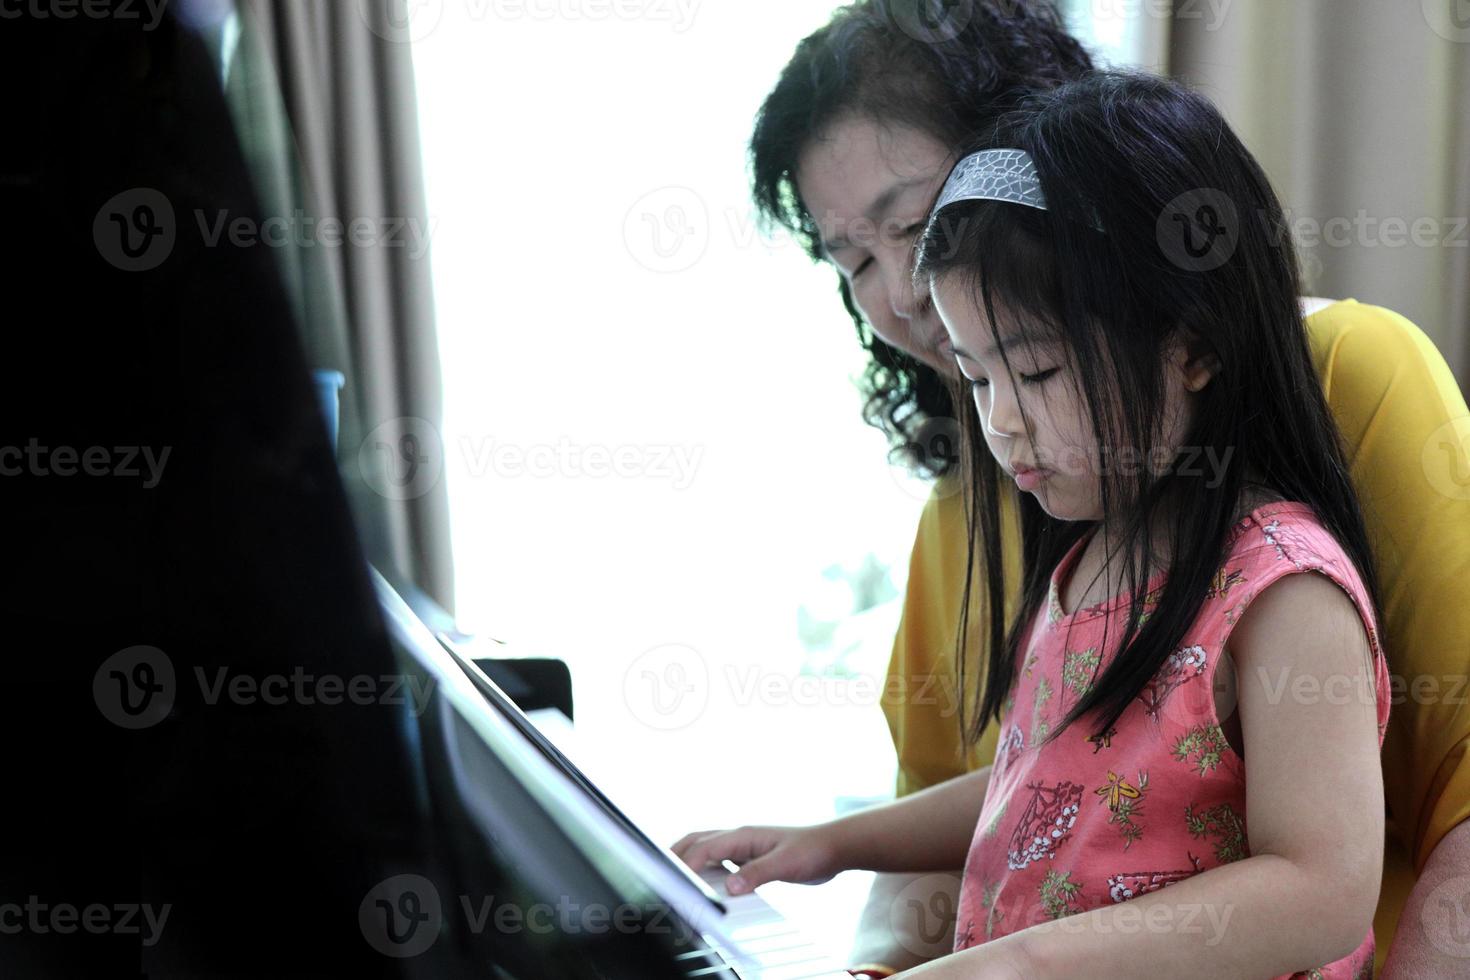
[
  {"x": 1004, "y": 959},
  {"x": 805, "y": 855}
]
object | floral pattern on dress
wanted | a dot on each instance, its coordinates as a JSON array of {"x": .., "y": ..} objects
[
  {"x": 1122, "y": 887},
  {"x": 1167, "y": 791},
  {"x": 1046, "y": 823},
  {"x": 1125, "y": 801},
  {"x": 1180, "y": 666}
]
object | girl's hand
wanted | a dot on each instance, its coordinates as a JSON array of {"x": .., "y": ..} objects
[{"x": 799, "y": 854}]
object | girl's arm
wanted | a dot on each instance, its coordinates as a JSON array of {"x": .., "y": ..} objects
[
  {"x": 1314, "y": 812},
  {"x": 925, "y": 831},
  {"x": 930, "y": 830}
]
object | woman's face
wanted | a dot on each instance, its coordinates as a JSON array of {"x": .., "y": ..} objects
[
  {"x": 1033, "y": 416},
  {"x": 868, "y": 188}
]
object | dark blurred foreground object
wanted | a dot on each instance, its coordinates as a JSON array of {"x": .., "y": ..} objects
[{"x": 197, "y": 783}]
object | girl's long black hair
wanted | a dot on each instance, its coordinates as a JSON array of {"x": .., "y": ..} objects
[
  {"x": 869, "y": 61},
  {"x": 1193, "y": 237}
]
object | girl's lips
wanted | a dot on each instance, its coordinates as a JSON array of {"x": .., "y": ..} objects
[{"x": 1029, "y": 478}]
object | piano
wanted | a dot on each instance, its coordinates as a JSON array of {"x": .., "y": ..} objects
[{"x": 708, "y": 933}]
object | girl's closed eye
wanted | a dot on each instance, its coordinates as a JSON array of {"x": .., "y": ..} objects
[{"x": 1030, "y": 379}]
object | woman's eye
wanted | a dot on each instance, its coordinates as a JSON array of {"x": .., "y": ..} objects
[
  {"x": 859, "y": 270},
  {"x": 916, "y": 227}
]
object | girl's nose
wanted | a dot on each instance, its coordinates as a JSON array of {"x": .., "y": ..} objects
[{"x": 1004, "y": 419}]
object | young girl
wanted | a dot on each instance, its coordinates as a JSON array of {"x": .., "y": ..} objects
[{"x": 1115, "y": 281}]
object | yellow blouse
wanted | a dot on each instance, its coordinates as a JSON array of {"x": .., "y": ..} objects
[{"x": 1406, "y": 428}]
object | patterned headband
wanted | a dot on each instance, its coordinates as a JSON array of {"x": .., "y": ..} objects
[{"x": 995, "y": 175}]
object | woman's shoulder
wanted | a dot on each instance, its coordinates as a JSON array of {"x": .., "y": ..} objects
[
  {"x": 1359, "y": 350},
  {"x": 1329, "y": 320}
]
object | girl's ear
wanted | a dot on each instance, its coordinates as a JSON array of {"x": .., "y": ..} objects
[{"x": 1193, "y": 359}]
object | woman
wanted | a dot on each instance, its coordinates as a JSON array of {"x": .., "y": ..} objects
[{"x": 848, "y": 153}]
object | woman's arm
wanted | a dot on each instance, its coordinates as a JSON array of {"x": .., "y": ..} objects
[
  {"x": 909, "y": 919},
  {"x": 1314, "y": 804},
  {"x": 1430, "y": 940}
]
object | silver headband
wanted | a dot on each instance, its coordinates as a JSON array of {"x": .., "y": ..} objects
[
  {"x": 996, "y": 175},
  {"x": 993, "y": 175}
]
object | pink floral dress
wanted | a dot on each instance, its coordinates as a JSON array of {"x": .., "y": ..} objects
[{"x": 1086, "y": 821}]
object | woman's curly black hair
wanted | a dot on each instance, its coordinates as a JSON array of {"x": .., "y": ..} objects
[{"x": 869, "y": 60}]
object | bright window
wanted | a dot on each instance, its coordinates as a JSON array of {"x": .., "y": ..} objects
[{"x": 656, "y": 462}]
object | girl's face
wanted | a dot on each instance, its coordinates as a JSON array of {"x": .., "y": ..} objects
[
  {"x": 1060, "y": 448},
  {"x": 868, "y": 188}
]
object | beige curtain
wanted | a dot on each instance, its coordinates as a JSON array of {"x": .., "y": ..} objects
[
  {"x": 326, "y": 106},
  {"x": 1359, "y": 110}
]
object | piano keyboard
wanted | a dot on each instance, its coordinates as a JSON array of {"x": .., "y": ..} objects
[{"x": 769, "y": 946}]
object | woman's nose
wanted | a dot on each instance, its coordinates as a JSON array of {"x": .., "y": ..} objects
[
  {"x": 901, "y": 296},
  {"x": 905, "y": 296}
]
